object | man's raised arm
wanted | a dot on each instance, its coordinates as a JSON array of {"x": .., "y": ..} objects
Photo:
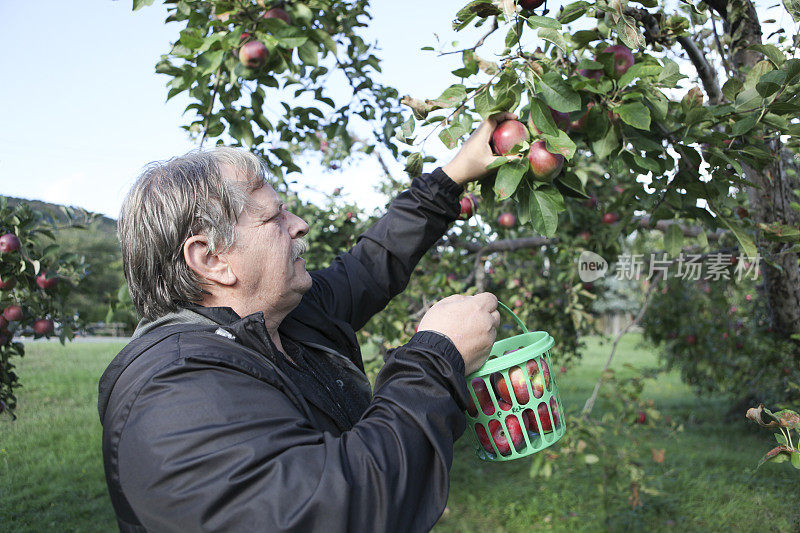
[{"x": 362, "y": 281}]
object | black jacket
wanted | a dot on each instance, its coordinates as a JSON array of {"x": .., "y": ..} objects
[{"x": 207, "y": 426}]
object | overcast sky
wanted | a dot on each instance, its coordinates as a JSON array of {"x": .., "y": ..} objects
[{"x": 83, "y": 110}]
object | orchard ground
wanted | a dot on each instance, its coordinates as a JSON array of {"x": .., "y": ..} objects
[{"x": 51, "y": 473}]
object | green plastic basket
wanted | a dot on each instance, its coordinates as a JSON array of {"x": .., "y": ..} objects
[{"x": 533, "y": 418}]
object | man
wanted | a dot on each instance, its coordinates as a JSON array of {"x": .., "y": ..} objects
[{"x": 241, "y": 404}]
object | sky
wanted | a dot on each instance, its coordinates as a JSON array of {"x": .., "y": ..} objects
[{"x": 83, "y": 110}]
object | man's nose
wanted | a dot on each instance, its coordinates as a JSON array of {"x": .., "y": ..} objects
[{"x": 297, "y": 226}]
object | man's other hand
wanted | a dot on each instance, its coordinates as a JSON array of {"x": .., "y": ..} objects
[
  {"x": 475, "y": 155},
  {"x": 469, "y": 321}
]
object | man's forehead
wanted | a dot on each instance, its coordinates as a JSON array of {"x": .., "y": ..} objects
[{"x": 262, "y": 194}]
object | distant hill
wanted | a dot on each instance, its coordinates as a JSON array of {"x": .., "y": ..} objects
[{"x": 102, "y": 223}]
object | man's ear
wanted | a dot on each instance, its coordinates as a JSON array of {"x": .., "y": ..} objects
[{"x": 208, "y": 266}]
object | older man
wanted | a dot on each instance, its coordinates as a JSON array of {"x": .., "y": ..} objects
[{"x": 241, "y": 404}]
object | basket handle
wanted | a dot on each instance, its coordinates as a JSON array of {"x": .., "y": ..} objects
[{"x": 508, "y": 311}]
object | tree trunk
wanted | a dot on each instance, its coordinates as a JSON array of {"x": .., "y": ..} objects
[{"x": 771, "y": 190}]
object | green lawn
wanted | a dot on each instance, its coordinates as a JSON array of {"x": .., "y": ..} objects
[{"x": 51, "y": 473}]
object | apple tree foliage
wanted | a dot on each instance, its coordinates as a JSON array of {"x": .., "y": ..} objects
[
  {"x": 788, "y": 424},
  {"x": 700, "y": 131},
  {"x": 36, "y": 281}
]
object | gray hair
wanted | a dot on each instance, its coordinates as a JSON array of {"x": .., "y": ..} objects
[{"x": 170, "y": 202}]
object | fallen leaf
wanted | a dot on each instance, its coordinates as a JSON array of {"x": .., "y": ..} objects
[{"x": 658, "y": 455}]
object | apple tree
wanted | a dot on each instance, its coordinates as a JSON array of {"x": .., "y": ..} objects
[
  {"x": 672, "y": 118},
  {"x": 36, "y": 279}
]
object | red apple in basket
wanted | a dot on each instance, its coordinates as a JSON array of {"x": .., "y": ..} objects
[
  {"x": 482, "y": 393},
  {"x": 501, "y": 438}
]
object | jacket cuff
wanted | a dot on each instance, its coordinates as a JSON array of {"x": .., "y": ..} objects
[
  {"x": 441, "y": 182},
  {"x": 443, "y": 345}
]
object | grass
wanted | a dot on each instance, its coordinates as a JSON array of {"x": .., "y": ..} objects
[{"x": 51, "y": 472}]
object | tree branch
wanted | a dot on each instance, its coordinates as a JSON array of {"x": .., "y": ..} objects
[
  {"x": 652, "y": 33},
  {"x": 707, "y": 74},
  {"x": 510, "y": 245},
  {"x": 589, "y": 405},
  {"x": 480, "y": 42}
]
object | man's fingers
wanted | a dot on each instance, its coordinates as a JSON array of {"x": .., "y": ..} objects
[
  {"x": 496, "y": 319},
  {"x": 497, "y": 118},
  {"x": 488, "y": 299}
]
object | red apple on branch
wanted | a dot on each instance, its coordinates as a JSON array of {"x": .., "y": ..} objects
[
  {"x": 507, "y": 220},
  {"x": 7, "y": 284},
  {"x": 591, "y": 74},
  {"x": 508, "y": 134},
  {"x": 468, "y": 205},
  {"x": 623, "y": 59},
  {"x": 544, "y": 164},
  {"x": 278, "y": 13},
  {"x": 641, "y": 418},
  {"x": 609, "y": 218},
  {"x": 530, "y": 4},
  {"x": 9, "y": 243},
  {"x": 253, "y": 54},
  {"x": 43, "y": 326},
  {"x": 13, "y": 313},
  {"x": 46, "y": 283}
]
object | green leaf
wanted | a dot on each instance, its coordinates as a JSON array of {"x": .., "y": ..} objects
[
  {"x": 542, "y": 118},
  {"x": 452, "y": 96},
  {"x": 795, "y": 459},
  {"x": 408, "y": 127},
  {"x": 671, "y": 74},
  {"x": 743, "y": 125},
  {"x": 636, "y": 114},
  {"x": 716, "y": 152},
  {"x": 732, "y": 88},
  {"x": 606, "y": 145},
  {"x": 210, "y": 61},
  {"x": 498, "y": 162},
  {"x": 191, "y": 38},
  {"x": 307, "y": 53},
  {"x": 771, "y": 51},
  {"x": 414, "y": 165},
  {"x": 673, "y": 240},
  {"x": 573, "y": 11},
  {"x": 557, "y": 93},
  {"x": 568, "y": 183},
  {"x": 512, "y": 37},
  {"x": 535, "y": 21},
  {"x": 450, "y": 136},
  {"x": 770, "y": 83},
  {"x": 746, "y": 245},
  {"x": 509, "y": 177},
  {"x": 629, "y": 33},
  {"x": 640, "y": 70},
  {"x": 545, "y": 204},
  {"x": 793, "y": 7},
  {"x": 560, "y": 144},
  {"x": 792, "y": 70},
  {"x": 139, "y": 4},
  {"x": 554, "y": 36}
]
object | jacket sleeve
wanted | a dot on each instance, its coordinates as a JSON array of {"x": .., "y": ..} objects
[
  {"x": 208, "y": 447},
  {"x": 360, "y": 282}
]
